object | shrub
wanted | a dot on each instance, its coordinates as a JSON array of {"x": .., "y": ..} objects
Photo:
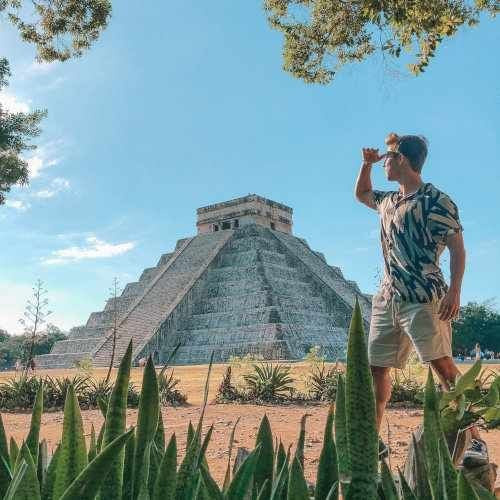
[
  {"x": 169, "y": 395},
  {"x": 227, "y": 392},
  {"x": 269, "y": 382},
  {"x": 322, "y": 382}
]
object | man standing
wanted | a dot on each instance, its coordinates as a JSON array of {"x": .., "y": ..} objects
[{"x": 414, "y": 304}]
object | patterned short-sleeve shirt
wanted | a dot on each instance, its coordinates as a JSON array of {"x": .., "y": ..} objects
[{"x": 413, "y": 233}]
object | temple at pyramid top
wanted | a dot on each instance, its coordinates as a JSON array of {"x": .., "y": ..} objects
[
  {"x": 244, "y": 284},
  {"x": 250, "y": 209}
]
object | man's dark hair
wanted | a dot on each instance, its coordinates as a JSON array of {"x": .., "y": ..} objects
[{"x": 414, "y": 148}]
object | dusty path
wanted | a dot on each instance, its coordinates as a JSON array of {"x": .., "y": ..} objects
[{"x": 284, "y": 423}]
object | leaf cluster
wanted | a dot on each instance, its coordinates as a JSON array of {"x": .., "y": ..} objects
[{"x": 321, "y": 36}]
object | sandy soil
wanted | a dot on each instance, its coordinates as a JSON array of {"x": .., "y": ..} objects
[{"x": 284, "y": 421}]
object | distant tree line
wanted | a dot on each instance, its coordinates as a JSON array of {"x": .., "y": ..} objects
[
  {"x": 16, "y": 347},
  {"x": 478, "y": 323}
]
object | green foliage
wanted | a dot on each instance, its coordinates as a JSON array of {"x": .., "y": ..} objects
[
  {"x": 73, "y": 453},
  {"x": 59, "y": 30},
  {"x": 328, "y": 473},
  {"x": 265, "y": 465},
  {"x": 322, "y": 382},
  {"x": 134, "y": 464},
  {"x": 169, "y": 395},
  {"x": 269, "y": 382},
  {"x": 147, "y": 421},
  {"x": 16, "y": 130},
  {"x": 362, "y": 436},
  {"x": 477, "y": 323},
  {"x": 36, "y": 420},
  {"x": 321, "y": 36},
  {"x": 115, "y": 425}
]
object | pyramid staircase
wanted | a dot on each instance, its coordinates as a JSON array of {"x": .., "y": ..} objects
[{"x": 249, "y": 290}]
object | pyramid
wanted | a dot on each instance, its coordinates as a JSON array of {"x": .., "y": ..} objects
[{"x": 243, "y": 284}]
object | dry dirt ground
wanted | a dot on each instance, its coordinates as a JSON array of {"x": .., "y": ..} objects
[{"x": 284, "y": 420}]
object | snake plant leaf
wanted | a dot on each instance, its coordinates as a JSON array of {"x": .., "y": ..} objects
[
  {"x": 406, "y": 491},
  {"x": 50, "y": 476},
  {"x": 465, "y": 490},
  {"x": 142, "y": 483},
  {"x": 441, "y": 471},
  {"x": 103, "y": 406},
  {"x": 242, "y": 481},
  {"x": 29, "y": 488},
  {"x": 36, "y": 420},
  {"x": 165, "y": 485},
  {"x": 262, "y": 493},
  {"x": 160, "y": 434},
  {"x": 43, "y": 460},
  {"x": 280, "y": 458},
  {"x": 93, "y": 444},
  {"x": 86, "y": 485},
  {"x": 449, "y": 471},
  {"x": 211, "y": 486},
  {"x": 280, "y": 486},
  {"x": 154, "y": 466},
  {"x": 13, "y": 452},
  {"x": 128, "y": 468},
  {"x": 341, "y": 431},
  {"x": 431, "y": 434},
  {"x": 72, "y": 457},
  {"x": 264, "y": 468},
  {"x": 333, "y": 494},
  {"x": 297, "y": 486},
  {"x": 328, "y": 473},
  {"x": 299, "y": 449},
  {"x": 147, "y": 420},
  {"x": 5, "y": 474},
  {"x": 422, "y": 486},
  {"x": 17, "y": 479},
  {"x": 114, "y": 426},
  {"x": 388, "y": 485},
  {"x": 362, "y": 435},
  {"x": 227, "y": 476},
  {"x": 190, "y": 434}
]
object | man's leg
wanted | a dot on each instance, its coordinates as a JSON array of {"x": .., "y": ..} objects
[{"x": 382, "y": 384}]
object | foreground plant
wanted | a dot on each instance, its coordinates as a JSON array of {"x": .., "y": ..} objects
[{"x": 141, "y": 464}]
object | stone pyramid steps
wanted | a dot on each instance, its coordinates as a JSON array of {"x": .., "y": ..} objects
[{"x": 168, "y": 286}]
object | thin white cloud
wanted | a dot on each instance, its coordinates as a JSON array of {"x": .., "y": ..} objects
[
  {"x": 93, "y": 249},
  {"x": 43, "y": 68},
  {"x": 13, "y": 104},
  {"x": 18, "y": 205},
  {"x": 45, "y": 156},
  {"x": 58, "y": 185}
]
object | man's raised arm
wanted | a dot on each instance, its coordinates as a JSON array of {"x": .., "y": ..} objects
[{"x": 363, "y": 190}]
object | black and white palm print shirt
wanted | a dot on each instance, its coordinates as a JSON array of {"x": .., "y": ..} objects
[{"x": 414, "y": 230}]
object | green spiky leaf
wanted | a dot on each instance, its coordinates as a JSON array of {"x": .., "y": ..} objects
[
  {"x": 327, "y": 474},
  {"x": 72, "y": 457}
]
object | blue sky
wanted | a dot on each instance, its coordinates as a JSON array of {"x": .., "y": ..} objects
[{"x": 180, "y": 105}]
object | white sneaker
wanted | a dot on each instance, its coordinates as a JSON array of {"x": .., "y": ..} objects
[{"x": 476, "y": 454}]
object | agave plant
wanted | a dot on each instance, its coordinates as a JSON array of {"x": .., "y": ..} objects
[
  {"x": 57, "y": 388},
  {"x": 19, "y": 392},
  {"x": 269, "y": 382},
  {"x": 169, "y": 395},
  {"x": 322, "y": 382}
]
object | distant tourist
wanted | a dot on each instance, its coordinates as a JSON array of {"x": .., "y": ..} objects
[
  {"x": 142, "y": 362},
  {"x": 414, "y": 304},
  {"x": 18, "y": 365}
]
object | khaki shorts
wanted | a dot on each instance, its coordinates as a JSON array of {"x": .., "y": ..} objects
[{"x": 395, "y": 326}]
